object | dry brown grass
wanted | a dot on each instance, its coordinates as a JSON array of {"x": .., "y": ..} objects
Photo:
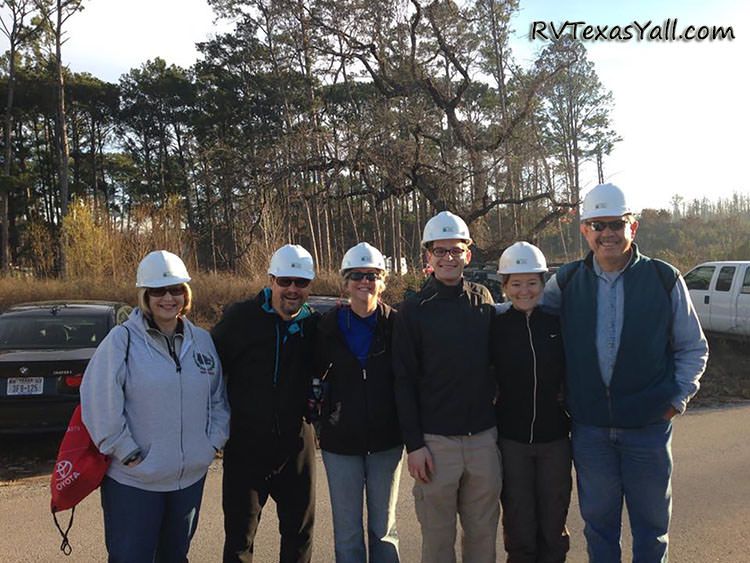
[
  {"x": 727, "y": 377},
  {"x": 212, "y": 292}
]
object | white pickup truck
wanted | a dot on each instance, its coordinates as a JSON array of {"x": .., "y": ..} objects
[{"x": 721, "y": 295}]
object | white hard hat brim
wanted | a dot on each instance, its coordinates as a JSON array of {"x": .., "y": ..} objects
[
  {"x": 509, "y": 271},
  {"x": 164, "y": 282},
  {"x": 292, "y": 273},
  {"x": 601, "y": 214}
]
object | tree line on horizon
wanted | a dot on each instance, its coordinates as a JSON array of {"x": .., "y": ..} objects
[{"x": 320, "y": 122}]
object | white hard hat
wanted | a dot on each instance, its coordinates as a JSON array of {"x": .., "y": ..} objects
[
  {"x": 161, "y": 269},
  {"x": 292, "y": 261},
  {"x": 362, "y": 255},
  {"x": 522, "y": 258},
  {"x": 445, "y": 225},
  {"x": 605, "y": 200}
]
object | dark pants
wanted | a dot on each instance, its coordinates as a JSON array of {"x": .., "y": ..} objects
[
  {"x": 143, "y": 526},
  {"x": 291, "y": 485},
  {"x": 535, "y": 498}
]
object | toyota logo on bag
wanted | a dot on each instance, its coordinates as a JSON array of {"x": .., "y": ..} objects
[
  {"x": 63, "y": 469},
  {"x": 65, "y": 474}
]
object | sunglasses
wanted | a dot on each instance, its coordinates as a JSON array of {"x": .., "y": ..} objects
[
  {"x": 300, "y": 283},
  {"x": 174, "y": 291},
  {"x": 614, "y": 226},
  {"x": 359, "y": 276},
  {"x": 440, "y": 252}
]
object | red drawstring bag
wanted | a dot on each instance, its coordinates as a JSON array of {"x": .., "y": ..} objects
[{"x": 79, "y": 470}]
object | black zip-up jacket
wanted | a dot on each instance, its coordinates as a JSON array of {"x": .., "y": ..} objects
[
  {"x": 360, "y": 414},
  {"x": 268, "y": 365},
  {"x": 529, "y": 361},
  {"x": 441, "y": 361}
]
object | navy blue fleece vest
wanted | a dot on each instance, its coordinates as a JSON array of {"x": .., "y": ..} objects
[{"x": 643, "y": 379}]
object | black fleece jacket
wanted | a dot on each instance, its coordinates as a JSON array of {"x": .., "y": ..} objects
[
  {"x": 268, "y": 365},
  {"x": 360, "y": 414},
  {"x": 441, "y": 361},
  {"x": 527, "y": 353}
]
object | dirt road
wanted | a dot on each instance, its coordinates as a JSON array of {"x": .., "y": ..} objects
[{"x": 711, "y": 515}]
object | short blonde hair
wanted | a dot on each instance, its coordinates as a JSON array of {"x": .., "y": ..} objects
[{"x": 143, "y": 300}]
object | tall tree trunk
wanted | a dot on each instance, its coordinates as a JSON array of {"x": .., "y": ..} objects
[
  {"x": 63, "y": 151},
  {"x": 92, "y": 148},
  {"x": 378, "y": 233},
  {"x": 76, "y": 146},
  {"x": 15, "y": 28},
  {"x": 185, "y": 178},
  {"x": 4, "y": 193},
  {"x": 399, "y": 249},
  {"x": 351, "y": 218},
  {"x": 311, "y": 228}
]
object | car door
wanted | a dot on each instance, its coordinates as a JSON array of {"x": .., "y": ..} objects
[
  {"x": 722, "y": 310},
  {"x": 698, "y": 281},
  {"x": 743, "y": 302}
]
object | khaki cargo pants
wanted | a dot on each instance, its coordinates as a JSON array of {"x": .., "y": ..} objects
[{"x": 466, "y": 481}]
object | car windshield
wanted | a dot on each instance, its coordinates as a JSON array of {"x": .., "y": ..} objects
[{"x": 47, "y": 331}]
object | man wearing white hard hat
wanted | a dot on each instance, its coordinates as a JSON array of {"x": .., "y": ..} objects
[
  {"x": 266, "y": 349},
  {"x": 445, "y": 394},
  {"x": 635, "y": 353}
]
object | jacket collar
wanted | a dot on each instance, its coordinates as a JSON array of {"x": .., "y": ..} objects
[
  {"x": 635, "y": 256},
  {"x": 295, "y": 324},
  {"x": 139, "y": 322},
  {"x": 434, "y": 288},
  {"x": 515, "y": 313},
  {"x": 329, "y": 323},
  {"x": 151, "y": 325}
]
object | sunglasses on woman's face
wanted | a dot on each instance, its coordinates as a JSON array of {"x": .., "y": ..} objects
[
  {"x": 301, "y": 283},
  {"x": 174, "y": 291},
  {"x": 359, "y": 276}
]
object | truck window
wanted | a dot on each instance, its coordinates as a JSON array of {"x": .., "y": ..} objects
[
  {"x": 726, "y": 275},
  {"x": 700, "y": 278},
  {"x": 746, "y": 282}
]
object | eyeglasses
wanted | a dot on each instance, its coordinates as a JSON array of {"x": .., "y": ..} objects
[
  {"x": 359, "y": 276},
  {"x": 614, "y": 226},
  {"x": 300, "y": 283},
  {"x": 174, "y": 291},
  {"x": 440, "y": 252}
]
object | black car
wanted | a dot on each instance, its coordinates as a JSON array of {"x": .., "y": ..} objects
[
  {"x": 323, "y": 303},
  {"x": 44, "y": 350}
]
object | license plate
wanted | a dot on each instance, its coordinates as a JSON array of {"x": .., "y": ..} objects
[{"x": 25, "y": 385}]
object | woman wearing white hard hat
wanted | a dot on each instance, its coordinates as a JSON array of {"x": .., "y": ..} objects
[
  {"x": 359, "y": 431},
  {"x": 533, "y": 427},
  {"x": 153, "y": 400}
]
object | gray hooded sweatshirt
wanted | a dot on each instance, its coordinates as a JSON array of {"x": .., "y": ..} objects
[{"x": 175, "y": 413}]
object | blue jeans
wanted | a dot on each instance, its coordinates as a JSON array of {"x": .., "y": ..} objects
[
  {"x": 349, "y": 477},
  {"x": 145, "y": 526},
  {"x": 634, "y": 464}
]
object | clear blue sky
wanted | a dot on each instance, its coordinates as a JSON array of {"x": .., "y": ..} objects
[{"x": 681, "y": 108}]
